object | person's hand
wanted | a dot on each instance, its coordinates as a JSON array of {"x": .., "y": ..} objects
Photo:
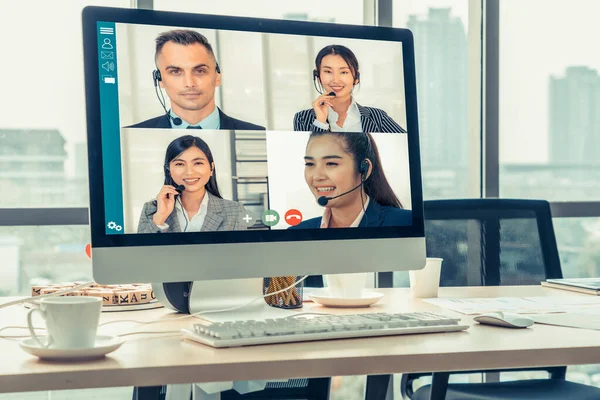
[
  {"x": 165, "y": 203},
  {"x": 320, "y": 106}
]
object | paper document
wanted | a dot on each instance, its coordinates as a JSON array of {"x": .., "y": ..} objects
[
  {"x": 522, "y": 305},
  {"x": 572, "y": 320}
]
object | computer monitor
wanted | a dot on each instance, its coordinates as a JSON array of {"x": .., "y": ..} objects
[{"x": 228, "y": 147}]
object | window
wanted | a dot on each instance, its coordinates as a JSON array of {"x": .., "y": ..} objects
[
  {"x": 441, "y": 31},
  {"x": 579, "y": 246},
  {"x": 38, "y": 255},
  {"x": 42, "y": 125},
  {"x": 549, "y": 100},
  {"x": 341, "y": 11},
  {"x": 549, "y": 126}
]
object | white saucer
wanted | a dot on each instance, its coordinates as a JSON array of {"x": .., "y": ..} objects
[
  {"x": 103, "y": 346},
  {"x": 366, "y": 300}
]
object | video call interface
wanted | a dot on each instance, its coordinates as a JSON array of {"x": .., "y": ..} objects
[{"x": 220, "y": 130}]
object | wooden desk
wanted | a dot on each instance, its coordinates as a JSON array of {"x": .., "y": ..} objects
[{"x": 150, "y": 360}]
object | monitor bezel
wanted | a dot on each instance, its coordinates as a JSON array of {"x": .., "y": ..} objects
[{"x": 91, "y": 15}]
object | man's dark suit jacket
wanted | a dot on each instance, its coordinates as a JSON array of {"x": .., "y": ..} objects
[
  {"x": 375, "y": 215},
  {"x": 163, "y": 122}
]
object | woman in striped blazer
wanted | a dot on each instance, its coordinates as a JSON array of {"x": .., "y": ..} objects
[{"x": 335, "y": 110}]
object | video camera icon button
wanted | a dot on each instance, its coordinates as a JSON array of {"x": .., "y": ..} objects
[{"x": 270, "y": 217}]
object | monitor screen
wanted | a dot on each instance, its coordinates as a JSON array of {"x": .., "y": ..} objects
[{"x": 219, "y": 130}]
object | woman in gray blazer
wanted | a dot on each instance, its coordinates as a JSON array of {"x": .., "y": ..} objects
[{"x": 189, "y": 200}]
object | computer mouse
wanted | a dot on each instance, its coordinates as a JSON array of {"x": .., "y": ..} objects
[{"x": 507, "y": 320}]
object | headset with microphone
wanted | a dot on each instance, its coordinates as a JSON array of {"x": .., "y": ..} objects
[
  {"x": 179, "y": 188},
  {"x": 171, "y": 181},
  {"x": 363, "y": 169},
  {"x": 157, "y": 77}
]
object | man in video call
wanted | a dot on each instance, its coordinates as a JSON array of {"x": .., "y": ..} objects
[{"x": 186, "y": 68}]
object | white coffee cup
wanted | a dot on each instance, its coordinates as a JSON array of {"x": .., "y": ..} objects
[
  {"x": 424, "y": 283},
  {"x": 347, "y": 286},
  {"x": 71, "y": 322}
]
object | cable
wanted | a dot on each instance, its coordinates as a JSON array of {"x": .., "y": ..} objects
[
  {"x": 363, "y": 179},
  {"x": 212, "y": 311},
  {"x": 306, "y": 313},
  {"x": 147, "y": 332},
  {"x": 362, "y": 200},
  {"x": 215, "y": 311},
  {"x": 16, "y": 336},
  {"x": 35, "y": 298},
  {"x": 250, "y": 302},
  {"x": 18, "y": 327},
  {"x": 162, "y": 102},
  {"x": 163, "y": 320},
  {"x": 183, "y": 212},
  {"x": 152, "y": 332}
]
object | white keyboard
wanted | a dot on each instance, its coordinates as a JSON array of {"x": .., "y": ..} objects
[{"x": 321, "y": 327}]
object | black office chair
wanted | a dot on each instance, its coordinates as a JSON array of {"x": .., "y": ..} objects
[{"x": 491, "y": 242}]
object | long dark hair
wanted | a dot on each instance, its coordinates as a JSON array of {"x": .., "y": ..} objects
[
  {"x": 338, "y": 50},
  {"x": 181, "y": 144},
  {"x": 360, "y": 146}
]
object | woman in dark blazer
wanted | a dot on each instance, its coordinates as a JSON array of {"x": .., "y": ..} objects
[
  {"x": 335, "y": 75},
  {"x": 343, "y": 171}
]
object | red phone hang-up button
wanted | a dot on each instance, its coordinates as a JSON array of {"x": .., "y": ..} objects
[{"x": 293, "y": 217}]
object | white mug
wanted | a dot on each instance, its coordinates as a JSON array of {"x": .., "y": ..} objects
[
  {"x": 424, "y": 283},
  {"x": 71, "y": 322},
  {"x": 347, "y": 286}
]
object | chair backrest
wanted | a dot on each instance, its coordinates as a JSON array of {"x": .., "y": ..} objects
[{"x": 492, "y": 241}]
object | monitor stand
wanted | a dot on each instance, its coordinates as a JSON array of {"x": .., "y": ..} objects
[{"x": 223, "y": 294}]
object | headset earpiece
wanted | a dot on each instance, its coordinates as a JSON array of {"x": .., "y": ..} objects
[
  {"x": 317, "y": 81},
  {"x": 364, "y": 168},
  {"x": 170, "y": 179},
  {"x": 156, "y": 76}
]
